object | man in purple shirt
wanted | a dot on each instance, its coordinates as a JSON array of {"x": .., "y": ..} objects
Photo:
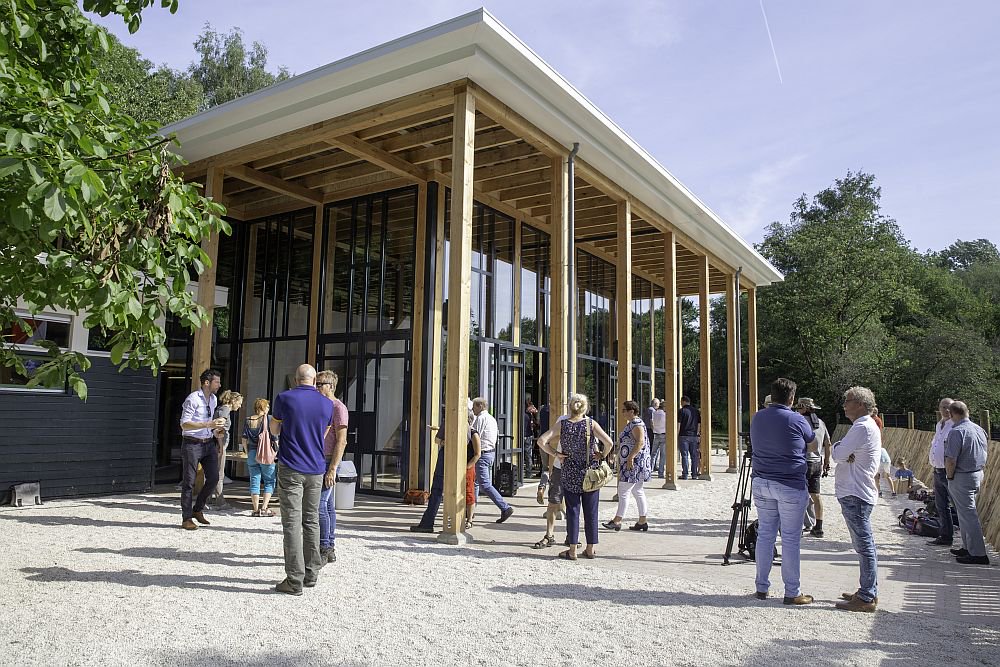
[
  {"x": 779, "y": 437},
  {"x": 301, "y": 417}
]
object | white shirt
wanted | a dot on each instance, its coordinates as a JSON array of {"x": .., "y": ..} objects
[
  {"x": 197, "y": 409},
  {"x": 857, "y": 478},
  {"x": 488, "y": 430},
  {"x": 941, "y": 432},
  {"x": 659, "y": 422}
]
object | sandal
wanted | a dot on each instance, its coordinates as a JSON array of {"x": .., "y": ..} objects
[
  {"x": 255, "y": 513},
  {"x": 591, "y": 556},
  {"x": 267, "y": 512},
  {"x": 565, "y": 555},
  {"x": 546, "y": 541}
]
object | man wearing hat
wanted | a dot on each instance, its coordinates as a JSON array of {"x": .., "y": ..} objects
[{"x": 817, "y": 466}]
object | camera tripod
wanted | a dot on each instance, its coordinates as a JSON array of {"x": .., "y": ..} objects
[{"x": 741, "y": 509}]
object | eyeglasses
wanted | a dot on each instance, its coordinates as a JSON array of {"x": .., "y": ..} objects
[{"x": 321, "y": 384}]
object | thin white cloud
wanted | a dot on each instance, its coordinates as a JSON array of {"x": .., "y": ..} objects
[
  {"x": 650, "y": 23},
  {"x": 752, "y": 209}
]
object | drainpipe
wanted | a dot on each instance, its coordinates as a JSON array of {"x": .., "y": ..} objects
[{"x": 571, "y": 215}]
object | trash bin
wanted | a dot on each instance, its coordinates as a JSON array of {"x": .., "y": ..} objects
[{"x": 347, "y": 479}]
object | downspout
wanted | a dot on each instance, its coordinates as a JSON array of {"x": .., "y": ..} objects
[
  {"x": 738, "y": 329},
  {"x": 571, "y": 215}
]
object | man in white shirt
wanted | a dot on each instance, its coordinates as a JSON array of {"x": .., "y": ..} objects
[
  {"x": 936, "y": 455},
  {"x": 486, "y": 426},
  {"x": 857, "y": 457},
  {"x": 659, "y": 438},
  {"x": 199, "y": 445}
]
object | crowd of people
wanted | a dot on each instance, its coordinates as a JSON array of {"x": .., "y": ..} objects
[{"x": 791, "y": 452}]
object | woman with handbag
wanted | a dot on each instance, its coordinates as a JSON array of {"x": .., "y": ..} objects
[
  {"x": 634, "y": 465},
  {"x": 583, "y": 470},
  {"x": 261, "y": 448}
]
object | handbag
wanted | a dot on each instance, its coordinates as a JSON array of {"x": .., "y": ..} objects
[{"x": 599, "y": 472}]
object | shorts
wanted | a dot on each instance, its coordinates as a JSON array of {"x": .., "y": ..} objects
[
  {"x": 813, "y": 474},
  {"x": 470, "y": 486},
  {"x": 884, "y": 469},
  {"x": 555, "y": 487}
]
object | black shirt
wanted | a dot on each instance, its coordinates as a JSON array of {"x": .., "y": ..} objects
[{"x": 688, "y": 418}]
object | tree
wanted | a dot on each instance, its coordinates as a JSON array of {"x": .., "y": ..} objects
[
  {"x": 962, "y": 255},
  {"x": 845, "y": 265},
  {"x": 149, "y": 94},
  {"x": 92, "y": 218},
  {"x": 227, "y": 69}
]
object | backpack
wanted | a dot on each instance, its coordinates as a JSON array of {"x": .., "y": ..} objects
[
  {"x": 750, "y": 539},
  {"x": 926, "y": 526}
]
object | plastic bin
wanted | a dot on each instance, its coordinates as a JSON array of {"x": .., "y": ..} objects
[{"x": 347, "y": 479}]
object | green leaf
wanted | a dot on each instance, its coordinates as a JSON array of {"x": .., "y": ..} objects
[
  {"x": 175, "y": 202},
  {"x": 9, "y": 165},
  {"x": 102, "y": 37},
  {"x": 55, "y": 205},
  {"x": 118, "y": 351},
  {"x": 29, "y": 142},
  {"x": 103, "y": 103},
  {"x": 134, "y": 307},
  {"x": 78, "y": 385},
  {"x": 76, "y": 173},
  {"x": 20, "y": 217},
  {"x": 13, "y": 138},
  {"x": 162, "y": 355},
  {"x": 91, "y": 186}
]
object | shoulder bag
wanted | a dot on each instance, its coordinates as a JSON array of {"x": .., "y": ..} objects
[{"x": 599, "y": 472}]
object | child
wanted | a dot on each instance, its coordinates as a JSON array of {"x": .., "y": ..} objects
[{"x": 902, "y": 472}]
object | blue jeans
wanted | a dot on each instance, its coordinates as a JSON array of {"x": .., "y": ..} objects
[
  {"x": 857, "y": 516},
  {"x": 942, "y": 501},
  {"x": 690, "y": 446},
  {"x": 659, "y": 452},
  {"x": 778, "y": 506},
  {"x": 437, "y": 493},
  {"x": 327, "y": 518},
  {"x": 484, "y": 474},
  {"x": 590, "y": 501},
  {"x": 261, "y": 472}
]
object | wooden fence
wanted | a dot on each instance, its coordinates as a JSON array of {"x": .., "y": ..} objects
[{"x": 914, "y": 446}]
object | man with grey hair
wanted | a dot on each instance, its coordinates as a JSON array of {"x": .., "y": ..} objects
[
  {"x": 964, "y": 459},
  {"x": 857, "y": 457},
  {"x": 942, "y": 500},
  {"x": 489, "y": 432},
  {"x": 302, "y": 417}
]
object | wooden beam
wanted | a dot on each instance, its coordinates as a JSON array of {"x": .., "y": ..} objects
[
  {"x": 623, "y": 307},
  {"x": 732, "y": 364},
  {"x": 752, "y": 381},
  {"x": 316, "y": 284},
  {"x": 378, "y": 114},
  {"x": 459, "y": 313},
  {"x": 437, "y": 330},
  {"x": 201, "y": 356},
  {"x": 417, "y": 425},
  {"x": 603, "y": 183},
  {"x": 705, "y": 352},
  {"x": 275, "y": 184},
  {"x": 671, "y": 362},
  {"x": 559, "y": 369},
  {"x": 513, "y": 121},
  {"x": 397, "y": 165}
]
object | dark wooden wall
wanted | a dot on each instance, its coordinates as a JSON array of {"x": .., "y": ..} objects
[{"x": 74, "y": 448}]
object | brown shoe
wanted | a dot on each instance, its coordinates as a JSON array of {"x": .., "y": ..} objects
[
  {"x": 798, "y": 599},
  {"x": 200, "y": 516},
  {"x": 850, "y": 596},
  {"x": 857, "y": 604},
  {"x": 189, "y": 525}
]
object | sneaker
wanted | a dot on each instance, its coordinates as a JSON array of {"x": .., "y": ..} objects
[
  {"x": 973, "y": 560},
  {"x": 857, "y": 604},
  {"x": 816, "y": 532},
  {"x": 798, "y": 600},
  {"x": 959, "y": 553},
  {"x": 328, "y": 554},
  {"x": 288, "y": 589},
  {"x": 505, "y": 514},
  {"x": 684, "y": 476}
]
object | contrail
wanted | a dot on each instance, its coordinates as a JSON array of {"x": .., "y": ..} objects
[{"x": 771, "y": 39}]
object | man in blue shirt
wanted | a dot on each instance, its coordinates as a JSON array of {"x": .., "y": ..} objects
[
  {"x": 301, "y": 417},
  {"x": 779, "y": 437},
  {"x": 964, "y": 460}
]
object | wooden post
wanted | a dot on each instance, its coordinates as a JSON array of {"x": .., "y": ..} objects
[
  {"x": 680, "y": 350},
  {"x": 417, "y": 425},
  {"x": 705, "y": 352},
  {"x": 315, "y": 287},
  {"x": 671, "y": 363},
  {"x": 559, "y": 344},
  {"x": 437, "y": 332},
  {"x": 752, "y": 380},
  {"x": 910, "y": 421},
  {"x": 201, "y": 357},
  {"x": 733, "y": 359},
  {"x": 623, "y": 307},
  {"x": 985, "y": 417},
  {"x": 459, "y": 287}
]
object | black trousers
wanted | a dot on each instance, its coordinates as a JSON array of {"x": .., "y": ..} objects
[
  {"x": 942, "y": 502},
  {"x": 193, "y": 453}
]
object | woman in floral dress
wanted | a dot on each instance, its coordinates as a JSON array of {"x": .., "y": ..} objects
[{"x": 635, "y": 466}]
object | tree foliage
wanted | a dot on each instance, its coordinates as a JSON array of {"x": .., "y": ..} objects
[
  {"x": 91, "y": 216},
  {"x": 228, "y": 69}
]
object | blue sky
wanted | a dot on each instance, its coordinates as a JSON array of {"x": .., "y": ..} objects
[{"x": 909, "y": 91}]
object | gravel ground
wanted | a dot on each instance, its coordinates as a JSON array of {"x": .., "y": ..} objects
[{"x": 114, "y": 581}]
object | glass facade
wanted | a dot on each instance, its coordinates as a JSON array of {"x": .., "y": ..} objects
[{"x": 596, "y": 367}]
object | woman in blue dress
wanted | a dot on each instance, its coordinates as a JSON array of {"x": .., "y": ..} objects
[
  {"x": 635, "y": 466},
  {"x": 572, "y": 441}
]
